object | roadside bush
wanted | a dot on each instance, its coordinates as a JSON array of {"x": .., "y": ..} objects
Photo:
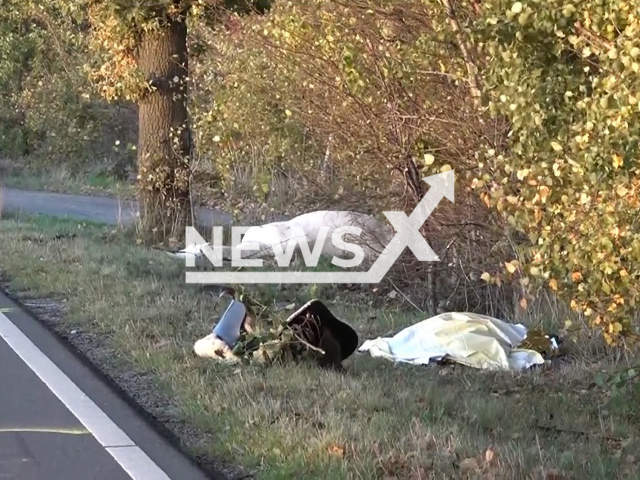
[
  {"x": 565, "y": 74},
  {"x": 47, "y": 114}
]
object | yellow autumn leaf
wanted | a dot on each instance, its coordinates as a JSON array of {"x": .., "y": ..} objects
[
  {"x": 617, "y": 161},
  {"x": 511, "y": 266},
  {"x": 544, "y": 193},
  {"x": 556, "y": 146},
  {"x": 429, "y": 159},
  {"x": 553, "y": 284},
  {"x": 486, "y": 276},
  {"x": 516, "y": 7}
]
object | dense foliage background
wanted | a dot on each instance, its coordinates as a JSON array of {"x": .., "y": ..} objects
[{"x": 347, "y": 104}]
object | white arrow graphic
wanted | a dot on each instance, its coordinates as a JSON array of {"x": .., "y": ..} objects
[
  {"x": 407, "y": 235},
  {"x": 408, "y": 228}
]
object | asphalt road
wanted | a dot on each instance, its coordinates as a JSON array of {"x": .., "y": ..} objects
[
  {"x": 39, "y": 437},
  {"x": 83, "y": 207},
  {"x": 43, "y": 428},
  {"x": 59, "y": 420}
]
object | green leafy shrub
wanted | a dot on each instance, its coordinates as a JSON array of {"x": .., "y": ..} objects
[
  {"x": 565, "y": 74},
  {"x": 49, "y": 113}
]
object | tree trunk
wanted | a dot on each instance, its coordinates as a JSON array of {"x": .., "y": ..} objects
[
  {"x": 465, "y": 48},
  {"x": 164, "y": 135},
  {"x": 413, "y": 177}
]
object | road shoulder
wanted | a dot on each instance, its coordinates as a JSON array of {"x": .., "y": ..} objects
[{"x": 158, "y": 442}]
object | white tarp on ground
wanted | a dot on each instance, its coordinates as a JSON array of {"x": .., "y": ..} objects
[
  {"x": 474, "y": 340},
  {"x": 261, "y": 241}
]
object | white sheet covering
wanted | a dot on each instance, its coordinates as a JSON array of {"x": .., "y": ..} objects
[{"x": 474, "y": 340}]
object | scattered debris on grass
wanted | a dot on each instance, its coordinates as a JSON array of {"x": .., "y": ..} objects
[
  {"x": 311, "y": 332},
  {"x": 470, "y": 339}
]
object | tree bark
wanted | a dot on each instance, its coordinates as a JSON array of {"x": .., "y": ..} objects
[
  {"x": 413, "y": 177},
  {"x": 164, "y": 149}
]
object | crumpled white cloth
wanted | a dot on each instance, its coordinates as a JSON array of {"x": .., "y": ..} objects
[
  {"x": 261, "y": 241},
  {"x": 471, "y": 339}
]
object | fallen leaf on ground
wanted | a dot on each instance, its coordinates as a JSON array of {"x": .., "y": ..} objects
[
  {"x": 554, "y": 475},
  {"x": 490, "y": 456},
  {"x": 336, "y": 450}
]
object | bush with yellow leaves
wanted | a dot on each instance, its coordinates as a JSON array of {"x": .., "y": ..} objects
[{"x": 565, "y": 74}]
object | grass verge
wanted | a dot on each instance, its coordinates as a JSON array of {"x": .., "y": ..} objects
[
  {"x": 295, "y": 421},
  {"x": 61, "y": 181}
]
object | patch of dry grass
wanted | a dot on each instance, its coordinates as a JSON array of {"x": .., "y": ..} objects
[{"x": 295, "y": 421}]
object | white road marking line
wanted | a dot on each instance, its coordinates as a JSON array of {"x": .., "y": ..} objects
[{"x": 130, "y": 457}]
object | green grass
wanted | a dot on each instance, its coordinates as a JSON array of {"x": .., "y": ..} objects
[
  {"x": 296, "y": 421},
  {"x": 61, "y": 181}
]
